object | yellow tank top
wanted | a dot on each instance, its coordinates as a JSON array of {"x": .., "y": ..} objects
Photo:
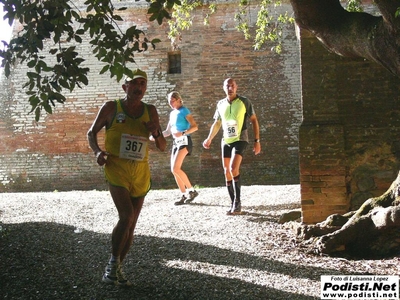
[{"x": 127, "y": 137}]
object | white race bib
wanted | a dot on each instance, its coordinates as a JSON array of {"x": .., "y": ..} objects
[
  {"x": 133, "y": 147},
  {"x": 181, "y": 141},
  {"x": 231, "y": 129}
]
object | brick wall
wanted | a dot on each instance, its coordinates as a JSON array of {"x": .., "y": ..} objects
[
  {"x": 349, "y": 148},
  {"x": 53, "y": 154}
]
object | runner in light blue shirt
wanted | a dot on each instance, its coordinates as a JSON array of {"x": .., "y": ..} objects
[{"x": 181, "y": 125}]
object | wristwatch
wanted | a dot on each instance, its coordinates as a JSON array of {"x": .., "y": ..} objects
[{"x": 256, "y": 140}]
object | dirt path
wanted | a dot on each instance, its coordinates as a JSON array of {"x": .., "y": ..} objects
[{"x": 55, "y": 246}]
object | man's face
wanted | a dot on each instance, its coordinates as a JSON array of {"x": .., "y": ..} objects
[
  {"x": 135, "y": 88},
  {"x": 230, "y": 89}
]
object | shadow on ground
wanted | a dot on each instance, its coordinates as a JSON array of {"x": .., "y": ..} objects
[{"x": 52, "y": 261}]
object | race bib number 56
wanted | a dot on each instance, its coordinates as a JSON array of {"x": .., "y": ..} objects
[
  {"x": 230, "y": 129},
  {"x": 132, "y": 147}
]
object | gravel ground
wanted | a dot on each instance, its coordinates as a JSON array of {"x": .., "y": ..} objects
[{"x": 55, "y": 246}]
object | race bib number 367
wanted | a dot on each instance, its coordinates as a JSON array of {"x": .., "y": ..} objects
[{"x": 132, "y": 147}]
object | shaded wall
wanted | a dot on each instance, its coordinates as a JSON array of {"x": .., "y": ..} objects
[{"x": 349, "y": 137}]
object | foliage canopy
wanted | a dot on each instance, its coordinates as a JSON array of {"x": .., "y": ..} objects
[{"x": 66, "y": 24}]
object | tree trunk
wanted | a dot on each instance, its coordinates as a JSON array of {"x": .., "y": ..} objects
[
  {"x": 353, "y": 34},
  {"x": 371, "y": 231}
]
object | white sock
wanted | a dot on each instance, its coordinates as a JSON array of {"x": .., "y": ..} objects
[{"x": 114, "y": 259}]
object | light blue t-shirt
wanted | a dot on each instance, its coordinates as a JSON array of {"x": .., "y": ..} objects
[{"x": 177, "y": 119}]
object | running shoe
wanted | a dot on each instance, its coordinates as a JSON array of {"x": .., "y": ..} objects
[
  {"x": 121, "y": 279},
  {"x": 110, "y": 273},
  {"x": 181, "y": 201},
  {"x": 192, "y": 195},
  {"x": 236, "y": 209}
]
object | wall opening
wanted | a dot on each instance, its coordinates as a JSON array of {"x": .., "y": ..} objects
[{"x": 174, "y": 62}]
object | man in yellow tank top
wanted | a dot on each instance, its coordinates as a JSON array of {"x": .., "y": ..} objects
[{"x": 129, "y": 122}]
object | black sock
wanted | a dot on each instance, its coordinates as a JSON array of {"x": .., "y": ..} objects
[
  {"x": 231, "y": 191},
  {"x": 237, "y": 184}
]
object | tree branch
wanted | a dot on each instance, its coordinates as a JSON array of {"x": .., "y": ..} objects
[{"x": 353, "y": 34}]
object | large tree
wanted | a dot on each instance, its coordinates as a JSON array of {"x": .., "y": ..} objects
[{"x": 374, "y": 229}]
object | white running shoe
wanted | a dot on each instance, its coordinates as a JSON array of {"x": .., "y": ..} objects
[
  {"x": 114, "y": 275},
  {"x": 110, "y": 273}
]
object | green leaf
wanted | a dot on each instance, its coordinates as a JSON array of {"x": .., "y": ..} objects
[
  {"x": 75, "y": 15},
  {"x": 84, "y": 79},
  {"x": 104, "y": 69},
  {"x": 33, "y": 75},
  {"x": 78, "y": 39},
  {"x": 31, "y": 64},
  {"x": 7, "y": 70},
  {"x": 34, "y": 101},
  {"x": 47, "y": 107},
  {"x": 37, "y": 114},
  {"x": 64, "y": 83},
  {"x": 43, "y": 96}
]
